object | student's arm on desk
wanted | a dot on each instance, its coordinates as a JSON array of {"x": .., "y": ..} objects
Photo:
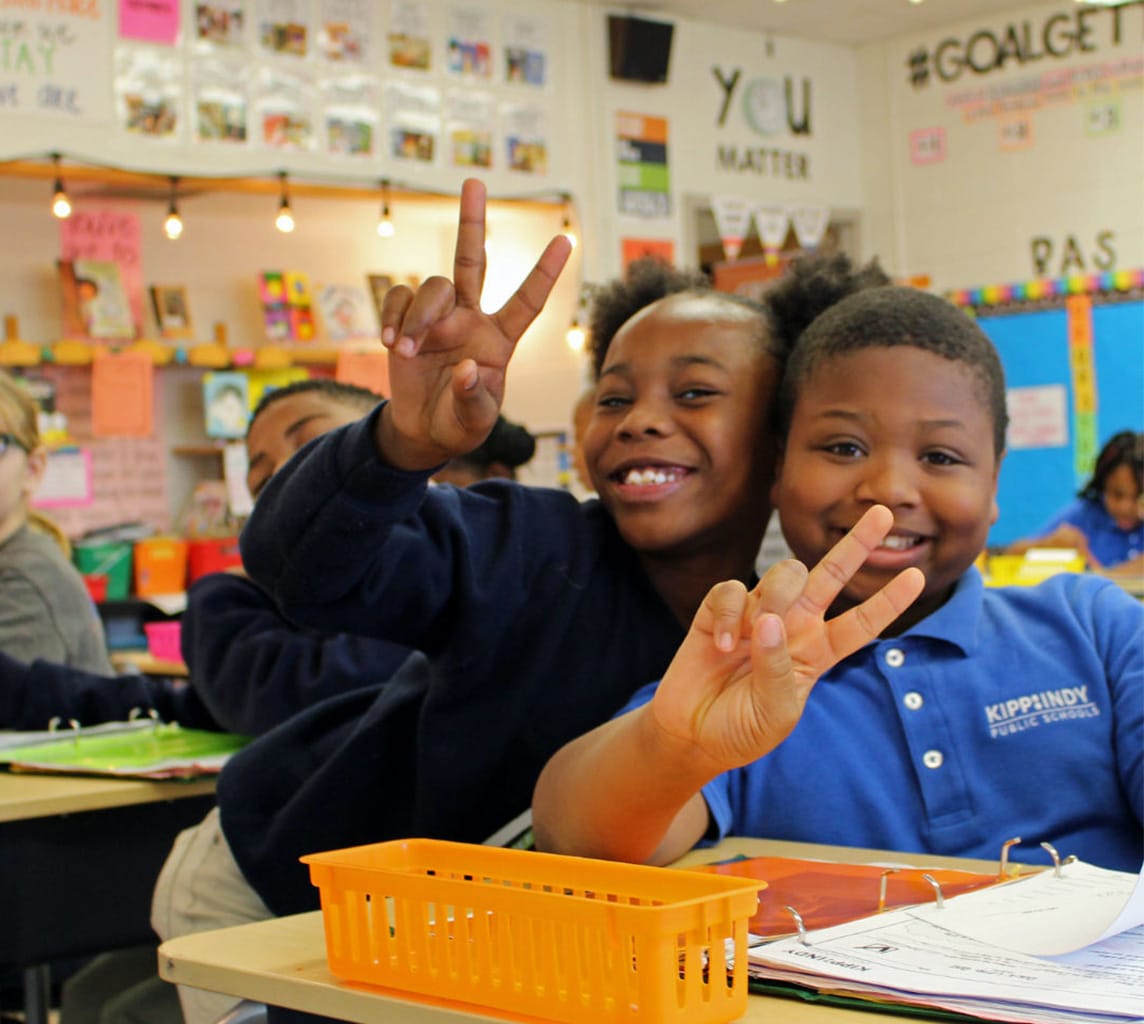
[
  {"x": 629, "y": 789},
  {"x": 32, "y": 694},
  {"x": 253, "y": 669}
]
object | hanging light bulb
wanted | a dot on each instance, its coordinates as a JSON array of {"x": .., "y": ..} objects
[
  {"x": 385, "y": 228},
  {"x": 61, "y": 205},
  {"x": 566, "y": 223},
  {"x": 576, "y": 336},
  {"x": 284, "y": 222},
  {"x": 173, "y": 225}
]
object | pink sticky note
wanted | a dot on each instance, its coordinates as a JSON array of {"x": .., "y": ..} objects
[{"x": 153, "y": 21}]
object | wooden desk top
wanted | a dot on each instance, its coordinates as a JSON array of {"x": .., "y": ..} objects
[
  {"x": 147, "y": 663},
  {"x": 283, "y": 961},
  {"x": 27, "y": 795}
]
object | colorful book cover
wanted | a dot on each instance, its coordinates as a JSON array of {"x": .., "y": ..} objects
[
  {"x": 94, "y": 301},
  {"x": 346, "y": 312},
  {"x": 226, "y": 403},
  {"x": 275, "y": 309},
  {"x": 301, "y": 306}
]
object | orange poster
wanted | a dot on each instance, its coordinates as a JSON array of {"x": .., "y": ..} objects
[
  {"x": 365, "y": 369},
  {"x": 122, "y": 389}
]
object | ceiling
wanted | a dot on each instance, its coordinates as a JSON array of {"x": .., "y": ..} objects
[{"x": 833, "y": 21}]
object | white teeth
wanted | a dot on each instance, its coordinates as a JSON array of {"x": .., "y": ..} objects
[
  {"x": 651, "y": 476},
  {"x": 898, "y": 543}
]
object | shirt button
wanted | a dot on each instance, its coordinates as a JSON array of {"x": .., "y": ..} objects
[
  {"x": 932, "y": 759},
  {"x": 895, "y": 657},
  {"x": 913, "y": 700}
]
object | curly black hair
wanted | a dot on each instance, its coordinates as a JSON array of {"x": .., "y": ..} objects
[
  {"x": 1123, "y": 449},
  {"x": 808, "y": 286},
  {"x": 508, "y": 443},
  {"x": 645, "y": 281}
]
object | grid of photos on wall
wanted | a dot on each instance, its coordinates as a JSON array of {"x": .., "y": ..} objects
[{"x": 388, "y": 84}]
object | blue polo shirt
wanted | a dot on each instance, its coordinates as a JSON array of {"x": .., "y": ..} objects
[
  {"x": 1008, "y": 712},
  {"x": 1109, "y": 544}
]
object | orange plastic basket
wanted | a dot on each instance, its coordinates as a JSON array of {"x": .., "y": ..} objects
[{"x": 559, "y": 938}]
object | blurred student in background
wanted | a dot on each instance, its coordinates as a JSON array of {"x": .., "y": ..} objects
[
  {"x": 1105, "y": 523},
  {"x": 508, "y": 447},
  {"x": 45, "y": 609}
]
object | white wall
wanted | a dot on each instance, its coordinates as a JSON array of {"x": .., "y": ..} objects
[
  {"x": 967, "y": 220},
  {"x": 971, "y": 218}
]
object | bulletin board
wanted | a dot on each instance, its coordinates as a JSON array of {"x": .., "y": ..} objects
[{"x": 1038, "y": 357}]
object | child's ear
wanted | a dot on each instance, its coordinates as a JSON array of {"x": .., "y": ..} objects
[{"x": 995, "y": 509}]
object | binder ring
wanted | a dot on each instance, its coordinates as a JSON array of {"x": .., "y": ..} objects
[
  {"x": 882, "y": 887},
  {"x": 799, "y": 923},
  {"x": 938, "y": 897},
  {"x": 1005, "y": 856},
  {"x": 55, "y": 723}
]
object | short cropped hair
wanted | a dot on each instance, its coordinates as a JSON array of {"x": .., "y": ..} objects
[
  {"x": 896, "y": 316},
  {"x": 344, "y": 394}
]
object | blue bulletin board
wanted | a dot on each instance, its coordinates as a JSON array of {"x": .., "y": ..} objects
[{"x": 1035, "y": 351}]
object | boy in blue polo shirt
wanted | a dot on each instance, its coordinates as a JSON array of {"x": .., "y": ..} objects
[{"x": 979, "y": 715}]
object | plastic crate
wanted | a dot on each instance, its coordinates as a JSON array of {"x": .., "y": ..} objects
[
  {"x": 164, "y": 640},
  {"x": 559, "y": 938}
]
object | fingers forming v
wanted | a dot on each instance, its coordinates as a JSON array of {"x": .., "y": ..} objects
[
  {"x": 528, "y": 300},
  {"x": 841, "y": 562},
  {"x": 469, "y": 256}
]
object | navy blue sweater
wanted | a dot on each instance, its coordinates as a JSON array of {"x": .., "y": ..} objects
[
  {"x": 536, "y": 619},
  {"x": 249, "y": 670}
]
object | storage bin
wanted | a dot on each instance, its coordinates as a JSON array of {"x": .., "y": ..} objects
[
  {"x": 164, "y": 640},
  {"x": 211, "y": 554},
  {"x": 559, "y": 938},
  {"x": 160, "y": 566},
  {"x": 109, "y": 559}
]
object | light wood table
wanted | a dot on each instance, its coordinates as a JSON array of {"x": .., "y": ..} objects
[
  {"x": 282, "y": 962},
  {"x": 78, "y": 861}
]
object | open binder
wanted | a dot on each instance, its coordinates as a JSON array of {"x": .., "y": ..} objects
[
  {"x": 1063, "y": 945},
  {"x": 142, "y": 748}
]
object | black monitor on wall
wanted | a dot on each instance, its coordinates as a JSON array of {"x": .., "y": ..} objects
[{"x": 639, "y": 50}]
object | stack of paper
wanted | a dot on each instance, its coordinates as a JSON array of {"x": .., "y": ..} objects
[{"x": 1063, "y": 946}]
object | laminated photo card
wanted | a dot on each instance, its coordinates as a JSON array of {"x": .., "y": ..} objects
[{"x": 226, "y": 403}]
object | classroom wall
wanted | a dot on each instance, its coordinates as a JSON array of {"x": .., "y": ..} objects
[
  {"x": 1029, "y": 167},
  {"x": 1040, "y": 156}
]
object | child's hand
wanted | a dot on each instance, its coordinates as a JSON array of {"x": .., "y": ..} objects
[
  {"x": 448, "y": 358},
  {"x": 738, "y": 684}
]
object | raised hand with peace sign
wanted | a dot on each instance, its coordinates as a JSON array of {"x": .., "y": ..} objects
[{"x": 447, "y": 357}]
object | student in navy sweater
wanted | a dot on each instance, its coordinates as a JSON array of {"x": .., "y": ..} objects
[
  {"x": 500, "y": 585},
  {"x": 250, "y": 669}
]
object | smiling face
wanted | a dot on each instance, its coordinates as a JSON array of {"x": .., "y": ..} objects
[
  {"x": 285, "y": 426},
  {"x": 1122, "y": 497},
  {"x": 678, "y": 446},
  {"x": 900, "y": 427}
]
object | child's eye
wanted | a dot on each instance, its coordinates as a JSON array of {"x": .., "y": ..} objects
[
  {"x": 692, "y": 393},
  {"x": 613, "y": 401},
  {"x": 941, "y": 459},
  {"x": 846, "y": 449}
]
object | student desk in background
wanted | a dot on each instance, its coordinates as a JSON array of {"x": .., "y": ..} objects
[
  {"x": 282, "y": 962},
  {"x": 78, "y": 861}
]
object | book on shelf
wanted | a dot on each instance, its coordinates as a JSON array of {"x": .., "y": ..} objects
[
  {"x": 172, "y": 311},
  {"x": 347, "y": 313},
  {"x": 1061, "y": 945},
  {"x": 94, "y": 300},
  {"x": 137, "y": 749}
]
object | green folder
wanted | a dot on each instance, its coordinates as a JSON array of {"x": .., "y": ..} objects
[{"x": 138, "y": 750}]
